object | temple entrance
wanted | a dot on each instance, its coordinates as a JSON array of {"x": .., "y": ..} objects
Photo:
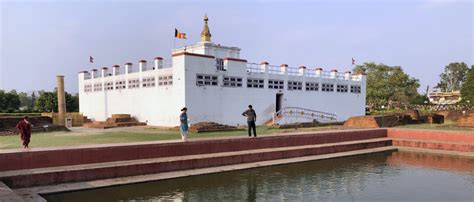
[{"x": 279, "y": 100}]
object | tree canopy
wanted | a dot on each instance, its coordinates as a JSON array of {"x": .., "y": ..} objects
[
  {"x": 467, "y": 90},
  {"x": 453, "y": 77},
  {"x": 388, "y": 85},
  {"x": 9, "y": 102}
]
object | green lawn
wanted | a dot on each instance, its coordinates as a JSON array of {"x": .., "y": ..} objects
[{"x": 124, "y": 135}]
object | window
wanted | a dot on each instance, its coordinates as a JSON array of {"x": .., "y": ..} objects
[
  {"x": 98, "y": 87},
  {"x": 232, "y": 81},
  {"x": 276, "y": 84},
  {"x": 120, "y": 85},
  {"x": 341, "y": 88},
  {"x": 134, "y": 83},
  {"x": 295, "y": 85},
  {"x": 327, "y": 87},
  {"x": 220, "y": 64},
  {"x": 255, "y": 83},
  {"x": 109, "y": 85},
  {"x": 206, "y": 80},
  {"x": 312, "y": 86},
  {"x": 355, "y": 89},
  {"x": 148, "y": 82},
  {"x": 88, "y": 88},
  {"x": 165, "y": 80}
]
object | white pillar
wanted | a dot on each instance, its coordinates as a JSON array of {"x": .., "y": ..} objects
[
  {"x": 94, "y": 73},
  {"x": 333, "y": 74},
  {"x": 158, "y": 62},
  {"x": 302, "y": 70},
  {"x": 283, "y": 68},
  {"x": 318, "y": 72},
  {"x": 128, "y": 67},
  {"x": 105, "y": 72},
  {"x": 264, "y": 67},
  {"x": 116, "y": 70},
  {"x": 142, "y": 65},
  {"x": 347, "y": 75}
]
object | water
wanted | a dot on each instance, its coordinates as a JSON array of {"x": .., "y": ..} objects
[{"x": 391, "y": 176}]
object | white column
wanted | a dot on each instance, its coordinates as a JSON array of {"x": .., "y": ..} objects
[
  {"x": 128, "y": 67},
  {"x": 94, "y": 73},
  {"x": 142, "y": 65},
  {"x": 318, "y": 72},
  {"x": 115, "y": 70},
  {"x": 302, "y": 70},
  {"x": 283, "y": 68},
  {"x": 105, "y": 72},
  {"x": 264, "y": 67},
  {"x": 333, "y": 74},
  {"x": 158, "y": 62},
  {"x": 347, "y": 75}
]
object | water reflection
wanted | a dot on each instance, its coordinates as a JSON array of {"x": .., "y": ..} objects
[{"x": 374, "y": 177}]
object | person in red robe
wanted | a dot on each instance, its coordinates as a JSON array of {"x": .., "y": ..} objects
[{"x": 24, "y": 126}]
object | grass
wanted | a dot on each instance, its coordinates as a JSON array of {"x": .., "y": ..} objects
[{"x": 125, "y": 135}]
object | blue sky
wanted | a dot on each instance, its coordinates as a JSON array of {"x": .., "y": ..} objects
[{"x": 41, "y": 39}]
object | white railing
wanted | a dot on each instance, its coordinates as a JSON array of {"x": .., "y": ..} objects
[
  {"x": 168, "y": 63},
  {"x": 298, "y": 112},
  {"x": 273, "y": 69},
  {"x": 293, "y": 71},
  {"x": 254, "y": 68}
]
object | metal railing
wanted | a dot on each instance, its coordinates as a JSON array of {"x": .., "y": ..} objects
[
  {"x": 298, "y": 112},
  {"x": 254, "y": 68}
]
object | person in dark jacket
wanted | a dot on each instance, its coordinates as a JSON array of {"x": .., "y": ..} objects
[
  {"x": 183, "y": 118},
  {"x": 251, "y": 119},
  {"x": 24, "y": 126}
]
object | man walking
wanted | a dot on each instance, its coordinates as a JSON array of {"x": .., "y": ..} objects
[
  {"x": 24, "y": 126},
  {"x": 251, "y": 118}
]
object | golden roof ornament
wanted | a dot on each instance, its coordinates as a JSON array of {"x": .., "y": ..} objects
[{"x": 205, "y": 34}]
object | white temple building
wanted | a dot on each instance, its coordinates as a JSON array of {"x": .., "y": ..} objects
[{"x": 216, "y": 85}]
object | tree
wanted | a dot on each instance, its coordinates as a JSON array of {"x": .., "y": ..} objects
[
  {"x": 47, "y": 102},
  {"x": 9, "y": 102},
  {"x": 388, "y": 85},
  {"x": 26, "y": 101},
  {"x": 453, "y": 77},
  {"x": 467, "y": 90}
]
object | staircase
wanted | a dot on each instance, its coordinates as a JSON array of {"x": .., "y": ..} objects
[
  {"x": 302, "y": 113},
  {"x": 54, "y": 166}
]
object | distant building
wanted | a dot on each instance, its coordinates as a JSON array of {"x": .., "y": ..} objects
[
  {"x": 215, "y": 84},
  {"x": 444, "y": 98}
]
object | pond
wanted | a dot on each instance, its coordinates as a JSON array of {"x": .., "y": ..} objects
[{"x": 389, "y": 176}]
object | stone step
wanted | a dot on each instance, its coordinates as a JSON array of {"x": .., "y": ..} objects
[
  {"x": 18, "y": 159},
  {"x": 85, "y": 172},
  {"x": 437, "y": 145}
]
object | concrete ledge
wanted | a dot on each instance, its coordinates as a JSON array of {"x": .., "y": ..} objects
[
  {"x": 52, "y": 157},
  {"x": 6, "y": 194},
  {"x": 45, "y": 176},
  {"x": 176, "y": 174}
]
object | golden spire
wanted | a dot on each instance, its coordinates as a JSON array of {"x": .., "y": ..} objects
[{"x": 205, "y": 34}]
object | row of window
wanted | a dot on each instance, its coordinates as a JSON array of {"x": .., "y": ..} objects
[
  {"x": 232, "y": 81},
  {"x": 132, "y": 83}
]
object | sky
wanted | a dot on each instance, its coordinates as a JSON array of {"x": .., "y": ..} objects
[{"x": 42, "y": 39}]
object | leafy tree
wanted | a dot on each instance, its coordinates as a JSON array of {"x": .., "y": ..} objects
[
  {"x": 467, "y": 90},
  {"x": 72, "y": 102},
  {"x": 48, "y": 101},
  {"x": 387, "y": 85},
  {"x": 453, "y": 77},
  {"x": 26, "y": 102},
  {"x": 9, "y": 102}
]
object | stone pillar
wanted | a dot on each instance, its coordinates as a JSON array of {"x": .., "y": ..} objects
[
  {"x": 158, "y": 63},
  {"x": 283, "y": 69},
  {"x": 333, "y": 74},
  {"x": 318, "y": 72},
  {"x": 142, "y": 65},
  {"x": 264, "y": 67},
  {"x": 61, "y": 100}
]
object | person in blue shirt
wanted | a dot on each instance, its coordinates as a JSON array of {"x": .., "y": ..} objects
[{"x": 184, "y": 124}]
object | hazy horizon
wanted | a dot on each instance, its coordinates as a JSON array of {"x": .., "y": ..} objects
[{"x": 42, "y": 39}]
